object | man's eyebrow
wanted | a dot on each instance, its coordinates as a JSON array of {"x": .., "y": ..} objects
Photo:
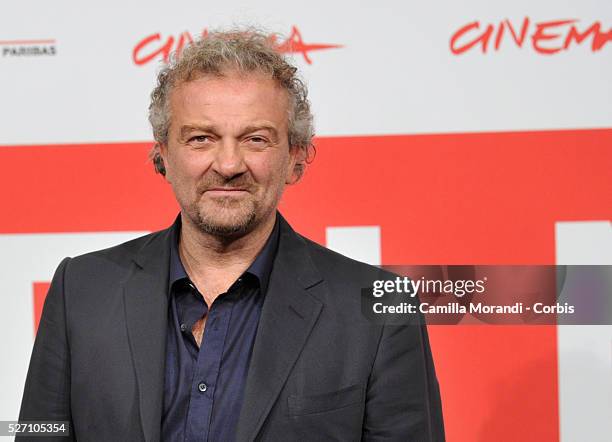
[
  {"x": 257, "y": 127},
  {"x": 190, "y": 128}
]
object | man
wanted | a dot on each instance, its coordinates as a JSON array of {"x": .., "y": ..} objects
[{"x": 228, "y": 325}]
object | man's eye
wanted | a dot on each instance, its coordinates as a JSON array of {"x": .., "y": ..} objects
[
  {"x": 257, "y": 140},
  {"x": 200, "y": 139}
]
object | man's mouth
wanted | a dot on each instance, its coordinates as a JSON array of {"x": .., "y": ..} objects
[{"x": 225, "y": 191}]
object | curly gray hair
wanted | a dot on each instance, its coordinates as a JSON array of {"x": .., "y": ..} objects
[{"x": 243, "y": 50}]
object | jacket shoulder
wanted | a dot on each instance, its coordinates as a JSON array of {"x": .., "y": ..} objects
[
  {"x": 119, "y": 255},
  {"x": 334, "y": 266}
]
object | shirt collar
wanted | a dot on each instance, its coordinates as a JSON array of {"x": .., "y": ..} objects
[{"x": 260, "y": 268}]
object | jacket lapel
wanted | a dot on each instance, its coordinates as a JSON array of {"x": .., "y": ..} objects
[
  {"x": 146, "y": 307},
  {"x": 288, "y": 315}
]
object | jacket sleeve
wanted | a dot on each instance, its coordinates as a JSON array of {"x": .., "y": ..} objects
[
  {"x": 47, "y": 389},
  {"x": 403, "y": 397}
]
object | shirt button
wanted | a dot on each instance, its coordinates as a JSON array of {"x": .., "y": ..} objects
[
  {"x": 183, "y": 327},
  {"x": 202, "y": 387}
]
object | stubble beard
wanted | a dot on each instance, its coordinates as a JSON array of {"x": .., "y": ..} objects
[
  {"x": 239, "y": 219},
  {"x": 225, "y": 218},
  {"x": 229, "y": 218}
]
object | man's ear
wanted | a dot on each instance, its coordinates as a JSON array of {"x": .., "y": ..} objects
[
  {"x": 298, "y": 164},
  {"x": 159, "y": 155}
]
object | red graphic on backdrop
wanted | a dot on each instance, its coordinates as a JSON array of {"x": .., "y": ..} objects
[
  {"x": 547, "y": 38},
  {"x": 40, "y": 290},
  {"x": 155, "y": 46}
]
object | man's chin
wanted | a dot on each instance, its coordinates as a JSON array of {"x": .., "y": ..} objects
[{"x": 226, "y": 223}]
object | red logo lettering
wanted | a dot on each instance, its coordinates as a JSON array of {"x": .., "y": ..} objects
[
  {"x": 547, "y": 38},
  {"x": 154, "y": 46}
]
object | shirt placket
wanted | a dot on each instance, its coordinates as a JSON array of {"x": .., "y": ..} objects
[{"x": 206, "y": 373}]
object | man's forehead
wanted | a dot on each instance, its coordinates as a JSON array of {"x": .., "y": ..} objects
[
  {"x": 233, "y": 89},
  {"x": 251, "y": 99}
]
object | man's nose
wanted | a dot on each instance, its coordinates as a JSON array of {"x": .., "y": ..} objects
[{"x": 229, "y": 159}]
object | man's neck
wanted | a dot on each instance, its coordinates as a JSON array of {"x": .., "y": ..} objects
[{"x": 214, "y": 263}]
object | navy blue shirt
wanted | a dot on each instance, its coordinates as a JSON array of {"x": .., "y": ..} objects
[{"x": 204, "y": 387}]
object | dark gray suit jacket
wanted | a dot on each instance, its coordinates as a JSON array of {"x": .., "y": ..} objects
[{"x": 319, "y": 371}]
